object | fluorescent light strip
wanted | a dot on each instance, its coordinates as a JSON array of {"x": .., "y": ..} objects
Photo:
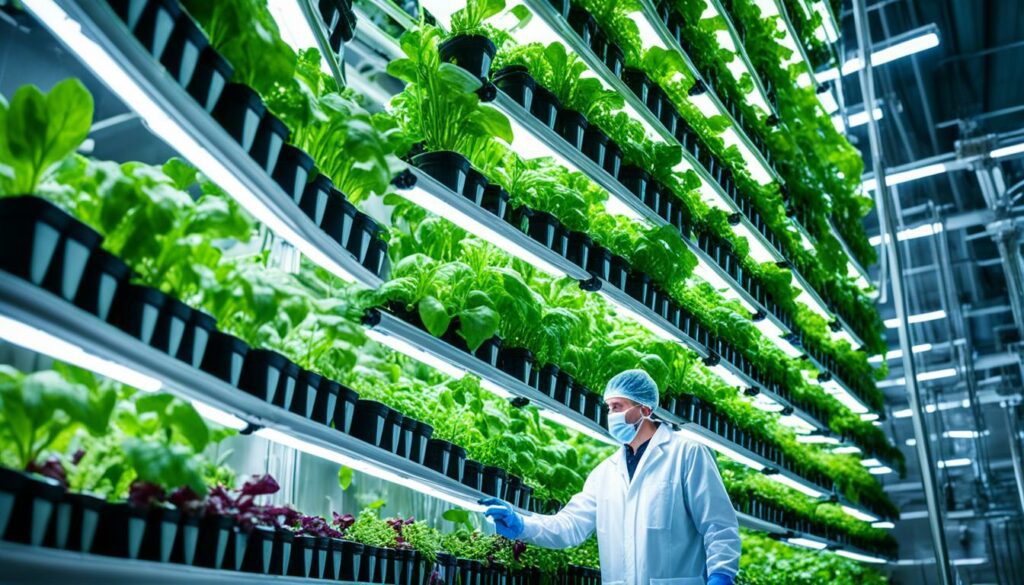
[
  {"x": 1007, "y": 150},
  {"x": 423, "y": 198},
  {"x": 958, "y": 462},
  {"x": 883, "y": 470},
  {"x": 884, "y": 524},
  {"x": 872, "y": 462},
  {"x": 40, "y": 341},
  {"x": 869, "y": 416},
  {"x": 807, "y": 543},
  {"x": 560, "y": 419},
  {"x": 905, "y": 48},
  {"x": 862, "y": 557},
  {"x": 906, "y": 176},
  {"x": 858, "y": 514},
  {"x": 421, "y": 355},
  {"x": 855, "y": 120},
  {"x": 163, "y": 125},
  {"x": 644, "y": 322},
  {"x": 960, "y": 434},
  {"x": 918, "y": 318},
  {"x": 846, "y": 450},
  {"x": 366, "y": 466},
  {"x": 921, "y": 231},
  {"x": 842, "y": 395},
  {"x": 898, "y": 353},
  {"x": 817, "y": 440},
  {"x": 798, "y": 486},
  {"x": 221, "y": 417},
  {"x": 717, "y": 446}
]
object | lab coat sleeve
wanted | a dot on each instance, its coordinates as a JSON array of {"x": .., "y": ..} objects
[
  {"x": 572, "y": 525},
  {"x": 712, "y": 512}
]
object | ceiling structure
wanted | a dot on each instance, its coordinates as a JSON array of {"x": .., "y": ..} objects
[{"x": 943, "y": 113}]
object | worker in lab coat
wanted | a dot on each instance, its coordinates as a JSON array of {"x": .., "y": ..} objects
[{"x": 658, "y": 505}]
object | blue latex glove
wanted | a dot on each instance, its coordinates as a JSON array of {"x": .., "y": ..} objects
[
  {"x": 720, "y": 579},
  {"x": 506, "y": 520}
]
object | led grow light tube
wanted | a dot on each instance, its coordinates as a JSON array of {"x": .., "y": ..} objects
[
  {"x": 721, "y": 448},
  {"x": 368, "y": 467},
  {"x": 807, "y": 543},
  {"x": 907, "y": 176},
  {"x": 858, "y": 514},
  {"x": 425, "y": 357},
  {"x": 848, "y": 399},
  {"x": 884, "y": 524},
  {"x": 882, "y": 470},
  {"x": 41, "y": 342},
  {"x": 219, "y": 416},
  {"x": 918, "y": 318},
  {"x": 919, "y": 40},
  {"x": 846, "y": 450},
  {"x": 862, "y": 557},
  {"x": 798, "y": 486},
  {"x": 114, "y": 73}
]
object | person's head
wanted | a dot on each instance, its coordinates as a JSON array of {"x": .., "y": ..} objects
[{"x": 632, "y": 394}]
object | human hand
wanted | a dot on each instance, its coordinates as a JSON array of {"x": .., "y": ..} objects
[{"x": 506, "y": 520}]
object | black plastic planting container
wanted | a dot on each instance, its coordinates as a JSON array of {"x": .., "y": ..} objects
[
  {"x": 265, "y": 375},
  {"x": 494, "y": 481},
  {"x": 612, "y": 159},
  {"x": 184, "y": 48},
  {"x": 137, "y": 310},
  {"x": 224, "y": 357},
  {"x": 314, "y": 201},
  {"x": 344, "y": 412},
  {"x": 595, "y": 143},
  {"x": 517, "y": 83},
  {"x": 27, "y": 506},
  {"x": 475, "y": 185},
  {"x": 307, "y": 387},
  {"x": 474, "y": 53},
  {"x": 582, "y": 23},
  {"x": 451, "y": 169},
  {"x": 151, "y": 22},
  {"x": 210, "y": 78},
  {"x": 539, "y": 225},
  {"x": 572, "y": 126},
  {"x": 472, "y": 475},
  {"x": 635, "y": 180},
  {"x": 370, "y": 423},
  {"x": 517, "y": 362},
  {"x": 239, "y": 111},
  {"x": 340, "y": 21},
  {"x": 271, "y": 136},
  {"x": 44, "y": 245},
  {"x": 339, "y": 218},
  {"x": 442, "y": 457},
  {"x": 104, "y": 275},
  {"x": 495, "y": 200},
  {"x": 292, "y": 171},
  {"x": 544, "y": 106}
]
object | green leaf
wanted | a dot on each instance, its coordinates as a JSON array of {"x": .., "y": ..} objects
[
  {"x": 344, "y": 477},
  {"x": 434, "y": 315},
  {"x": 477, "y": 325}
]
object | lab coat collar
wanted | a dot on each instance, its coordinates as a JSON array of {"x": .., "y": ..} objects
[{"x": 654, "y": 449}]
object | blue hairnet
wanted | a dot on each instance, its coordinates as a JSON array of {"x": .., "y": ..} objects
[{"x": 636, "y": 385}]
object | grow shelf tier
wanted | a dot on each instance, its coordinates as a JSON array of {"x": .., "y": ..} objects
[
  {"x": 744, "y": 58},
  {"x": 93, "y": 32},
  {"x": 24, "y": 564},
  {"x": 67, "y": 333}
]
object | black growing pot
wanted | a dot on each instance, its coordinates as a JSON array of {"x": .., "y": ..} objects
[
  {"x": 225, "y": 357},
  {"x": 571, "y": 125},
  {"x": 637, "y": 82},
  {"x": 578, "y": 250},
  {"x": 598, "y": 43},
  {"x": 655, "y": 101},
  {"x": 495, "y": 200},
  {"x": 44, "y": 245},
  {"x": 489, "y": 351},
  {"x": 175, "y": 317},
  {"x": 307, "y": 388},
  {"x": 539, "y": 225},
  {"x": 518, "y": 363},
  {"x": 184, "y": 48},
  {"x": 595, "y": 141},
  {"x": 547, "y": 379},
  {"x": 513, "y": 490},
  {"x": 517, "y": 83},
  {"x": 563, "y": 388},
  {"x": 439, "y": 455},
  {"x": 614, "y": 58},
  {"x": 618, "y": 272},
  {"x": 494, "y": 479},
  {"x": 370, "y": 423},
  {"x": 120, "y": 530},
  {"x": 74, "y": 527},
  {"x": 474, "y": 53},
  {"x": 150, "y": 22},
  {"x": 259, "y": 550},
  {"x": 457, "y": 463},
  {"x": 472, "y": 475},
  {"x": 599, "y": 262},
  {"x": 315, "y": 199},
  {"x": 582, "y": 23},
  {"x": 451, "y": 169},
  {"x": 393, "y": 428},
  {"x": 339, "y": 218},
  {"x": 271, "y": 135},
  {"x": 219, "y": 543},
  {"x": 475, "y": 185},
  {"x": 364, "y": 231},
  {"x": 638, "y": 286},
  {"x": 652, "y": 195},
  {"x": 292, "y": 171},
  {"x": 104, "y": 275},
  {"x": 160, "y": 533},
  {"x": 304, "y": 561},
  {"x": 326, "y": 402},
  {"x": 239, "y": 111},
  {"x": 27, "y": 505},
  {"x": 196, "y": 338},
  {"x": 210, "y": 78},
  {"x": 562, "y": 7},
  {"x": 544, "y": 106},
  {"x": 421, "y": 437},
  {"x": 137, "y": 311},
  {"x": 612, "y": 159},
  {"x": 351, "y": 561},
  {"x": 340, "y": 21},
  {"x": 635, "y": 180},
  {"x": 265, "y": 375}
]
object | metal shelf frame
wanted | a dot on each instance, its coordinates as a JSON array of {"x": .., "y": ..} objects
[
  {"x": 93, "y": 32},
  {"x": 741, "y": 52}
]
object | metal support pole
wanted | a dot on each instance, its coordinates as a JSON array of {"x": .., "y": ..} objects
[
  {"x": 1010, "y": 411},
  {"x": 886, "y": 214}
]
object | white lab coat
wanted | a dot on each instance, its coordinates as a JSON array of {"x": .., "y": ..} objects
[{"x": 673, "y": 524}]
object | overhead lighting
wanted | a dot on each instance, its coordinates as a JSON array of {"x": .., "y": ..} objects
[
  {"x": 928, "y": 229},
  {"x": 856, "y": 119},
  {"x": 898, "y": 353},
  {"x": 1007, "y": 150},
  {"x": 960, "y": 434},
  {"x": 367, "y": 466},
  {"x": 862, "y": 557},
  {"x": 798, "y": 486},
  {"x": 921, "y": 40},
  {"x": 883, "y": 470},
  {"x": 872, "y": 462},
  {"x": 858, "y": 514},
  {"x": 936, "y": 374},
  {"x": 911, "y": 442},
  {"x": 635, "y": 315},
  {"x": 828, "y": 101},
  {"x": 846, "y": 450},
  {"x": 918, "y": 318},
  {"x": 970, "y": 561},
  {"x": 958, "y": 462},
  {"x": 767, "y": 404},
  {"x": 817, "y": 439},
  {"x": 41, "y": 342},
  {"x": 703, "y": 439},
  {"x": 902, "y": 413},
  {"x": 837, "y": 391},
  {"x": 906, "y": 176},
  {"x": 421, "y": 355},
  {"x": 807, "y": 543},
  {"x": 884, "y": 524},
  {"x": 221, "y": 417},
  {"x": 869, "y": 416}
]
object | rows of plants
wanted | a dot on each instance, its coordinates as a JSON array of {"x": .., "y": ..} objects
[
  {"x": 288, "y": 313},
  {"x": 446, "y": 133},
  {"x": 662, "y": 81},
  {"x": 112, "y": 471}
]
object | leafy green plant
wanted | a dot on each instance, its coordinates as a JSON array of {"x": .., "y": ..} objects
[{"x": 38, "y": 130}]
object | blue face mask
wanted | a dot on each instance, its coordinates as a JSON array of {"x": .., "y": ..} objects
[{"x": 621, "y": 430}]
